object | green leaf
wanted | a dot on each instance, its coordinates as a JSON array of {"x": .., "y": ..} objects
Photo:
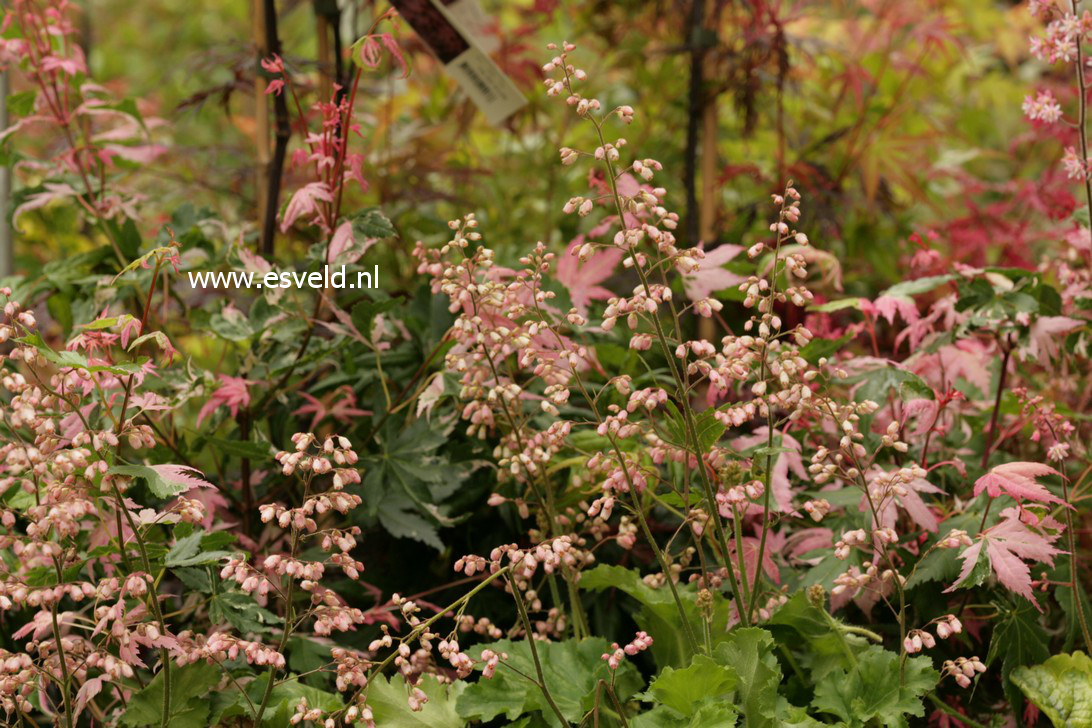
[
  {"x": 1017, "y": 640},
  {"x": 372, "y": 223},
  {"x": 364, "y": 313},
  {"x": 871, "y": 691},
  {"x": 1061, "y": 687},
  {"x": 817, "y": 349},
  {"x": 800, "y": 626},
  {"x": 571, "y": 671},
  {"x": 22, "y": 103},
  {"x": 241, "y": 448},
  {"x": 706, "y": 426},
  {"x": 282, "y": 702},
  {"x": 941, "y": 564},
  {"x": 188, "y": 685},
  {"x": 387, "y": 699},
  {"x": 686, "y": 690},
  {"x": 195, "y": 579},
  {"x": 878, "y": 382},
  {"x": 1063, "y": 593},
  {"x": 60, "y": 308},
  {"x": 241, "y": 612},
  {"x": 707, "y": 716},
  {"x": 658, "y": 614},
  {"x": 162, "y": 486},
  {"x": 187, "y": 552},
  {"x": 918, "y": 285},
  {"x": 398, "y": 516},
  {"x": 406, "y": 478},
  {"x": 749, "y": 650},
  {"x": 837, "y": 305}
]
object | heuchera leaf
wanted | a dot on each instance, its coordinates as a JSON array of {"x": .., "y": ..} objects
[
  {"x": 749, "y": 650},
  {"x": 1018, "y": 481},
  {"x": 1061, "y": 687},
  {"x": 686, "y": 690},
  {"x": 188, "y": 684},
  {"x": 387, "y": 699},
  {"x": 571, "y": 670},
  {"x": 871, "y": 690}
]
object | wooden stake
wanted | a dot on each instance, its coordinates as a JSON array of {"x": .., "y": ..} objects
[{"x": 261, "y": 115}]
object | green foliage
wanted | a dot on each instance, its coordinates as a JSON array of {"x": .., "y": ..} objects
[
  {"x": 189, "y": 709},
  {"x": 1017, "y": 640},
  {"x": 283, "y": 699},
  {"x": 572, "y": 670},
  {"x": 193, "y": 550},
  {"x": 657, "y": 613},
  {"x": 387, "y": 699},
  {"x": 1061, "y": 687},
  {"x": 161, "y": 485},
  {"x": 877, "y": 688},
  {"x": 686, "y": 690},
  {"x": 749, "y": 651},
  {"x": 407, "y": 477}
]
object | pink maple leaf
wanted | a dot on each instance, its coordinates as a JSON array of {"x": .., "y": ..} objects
[
  {"x": 583, "y": 278},
  {"x": 391, "y": 44},
  {"x": 342, "y": 410},
  {"x": 87, "y": 691},
  {"x": 909, "y": 499},
  {"x": 806, "y": 540},
  {"x": 343, "y": 243},
  {"x": 232, "y": 393},
  {"x": 1018, "y": 480},
  {"x": 750, "y": 559},
  {"x": 141, "y": 153},
  {"x": 711, "y": 275},
  {"x": 182, "y": 475},
  {"x": 891, "y": 306},
  {"x": 52, "y": 191},
  {"x": 780, "y": 485},
  {"x": 1045, "y": 335},
  {"x": 305, "y": 202},
  {"x": 1009, "y": 545}
]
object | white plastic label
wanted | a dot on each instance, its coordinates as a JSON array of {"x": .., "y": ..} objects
[{"x": 463, "y": 57}]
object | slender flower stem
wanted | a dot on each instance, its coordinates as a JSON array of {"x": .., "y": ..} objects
[
  {"x": 422, "y": 628},
  {"x": 1071, "y": 542},
  {"x": 288, "y": 615},
  {"x": 767, "y": 480},
  {"x": 534, "y": 651},
  {"x": 65, "y": 680}
]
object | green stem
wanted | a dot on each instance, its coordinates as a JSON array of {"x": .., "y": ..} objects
[
  {"x": 65, "y": 681},
  {"x": 534, "y": 651},
  {"x": 945, "y": 708}
]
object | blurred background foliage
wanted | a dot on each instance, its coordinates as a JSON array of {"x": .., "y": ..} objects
[{"x": 893, "y": 117}]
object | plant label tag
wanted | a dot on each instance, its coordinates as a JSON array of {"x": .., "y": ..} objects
[
  {"x": 474, "y": 20},
  {"x": 463, "y": 58}
]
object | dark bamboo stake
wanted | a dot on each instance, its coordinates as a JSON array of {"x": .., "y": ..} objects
[
  {"x": 283, "y": 132},
  {"x": 695, "y": 105}
]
